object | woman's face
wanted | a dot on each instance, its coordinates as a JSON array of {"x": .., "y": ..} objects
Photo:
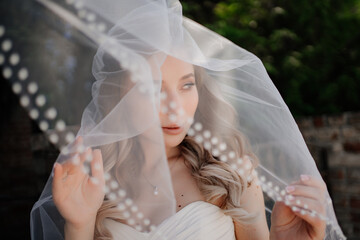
[{"x": 179, "y": 100}]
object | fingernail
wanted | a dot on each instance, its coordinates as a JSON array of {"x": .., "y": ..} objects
[
  {"x": 304, "y": 177},
  {"x": 79, "y": 138},
  {"x": 290, "y": 189}
]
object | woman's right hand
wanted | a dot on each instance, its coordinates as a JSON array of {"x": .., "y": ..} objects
[{"x": 77, "y": 195}]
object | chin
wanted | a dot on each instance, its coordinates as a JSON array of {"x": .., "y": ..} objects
[{"x": 173, "y": 141}]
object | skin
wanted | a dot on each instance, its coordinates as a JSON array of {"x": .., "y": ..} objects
[
  {"x": 78, "y": 197},
  {"x": 178, "y": 84}
]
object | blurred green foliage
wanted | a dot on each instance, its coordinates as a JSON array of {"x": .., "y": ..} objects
[{"x": 311, "y": 49}]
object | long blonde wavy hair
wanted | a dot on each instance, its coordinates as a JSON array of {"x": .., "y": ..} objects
[{"x": 217, "y": 180}]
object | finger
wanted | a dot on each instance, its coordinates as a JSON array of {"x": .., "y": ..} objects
[
  {"x": 306, "y": 191},
  {"x": 78, "y": 142},
  {"x": 97, "y": 166},
  {"x": 75, "y": 147},
  {"x": 86, "y": 156},
  {"x": 73, "y": 169},
  {"x": 73, "y": 158},
  {"x": 72, "y": 165},
  {"x": 310, "y": 181},
  {"x": 57, "y": 180},
  {"x": 308, "y": 205},
  {"x": 317, "y": 224},
  {"x": 313, "y": 214},
  {"x": 75, "y": 164}
]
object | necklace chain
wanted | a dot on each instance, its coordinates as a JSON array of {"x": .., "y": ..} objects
[{"x": 156, "y": 189}]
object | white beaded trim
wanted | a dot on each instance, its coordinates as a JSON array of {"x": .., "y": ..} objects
[
  {"x": 210, "y": 142},
  {"x": 217, "y": 148}
]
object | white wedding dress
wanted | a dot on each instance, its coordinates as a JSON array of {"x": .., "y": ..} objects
[{"x": 198, "y": 220}]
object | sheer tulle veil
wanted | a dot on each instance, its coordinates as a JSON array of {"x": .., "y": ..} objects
[{"x": 91, "y": 68}]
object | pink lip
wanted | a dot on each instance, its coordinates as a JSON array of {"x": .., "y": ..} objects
[{"x": 172, "y": 129}]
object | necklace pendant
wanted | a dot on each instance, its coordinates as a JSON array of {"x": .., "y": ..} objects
[{"x": 156, "y": 191}]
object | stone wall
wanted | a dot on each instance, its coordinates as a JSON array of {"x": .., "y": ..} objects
[{"x": 334, "y": 142}]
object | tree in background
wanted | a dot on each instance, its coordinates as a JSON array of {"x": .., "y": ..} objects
[{"x": 311, "y": 49}]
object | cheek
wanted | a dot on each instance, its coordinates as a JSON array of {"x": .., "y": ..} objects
[{"x": 191, "y": 103}]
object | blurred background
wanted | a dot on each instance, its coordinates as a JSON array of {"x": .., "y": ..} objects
[
  {"x": 311, "y": 51},
  {"x": 309, "y": 48}
]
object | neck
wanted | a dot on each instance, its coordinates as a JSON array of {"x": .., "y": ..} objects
[{"x": 172, "y": 152}]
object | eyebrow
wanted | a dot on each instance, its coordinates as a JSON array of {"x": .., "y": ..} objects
[
  {"x": 184, "y": 77},
  {"x": 187, "y": 76}
]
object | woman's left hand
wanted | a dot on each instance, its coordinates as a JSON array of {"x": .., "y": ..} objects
[{"x": 307, "y": 194}]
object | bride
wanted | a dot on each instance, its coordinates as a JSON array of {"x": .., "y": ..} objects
[
  {"x": 183, "y": 134},
  {"x": 198, "y": 179}
]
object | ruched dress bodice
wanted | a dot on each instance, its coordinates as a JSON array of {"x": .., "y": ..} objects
[{"x": 198, "y": 220}]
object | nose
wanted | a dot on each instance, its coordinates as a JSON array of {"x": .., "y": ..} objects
[{"x": 171, "y": 104}]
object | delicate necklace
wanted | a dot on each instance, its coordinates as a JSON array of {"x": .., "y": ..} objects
[{"x": 156, "y": 189}]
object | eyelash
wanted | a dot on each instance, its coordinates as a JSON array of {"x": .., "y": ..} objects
[{"x": 188, "y": 86}]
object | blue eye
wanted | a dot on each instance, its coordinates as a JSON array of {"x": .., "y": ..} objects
[{"x": 188, "y": 85}]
